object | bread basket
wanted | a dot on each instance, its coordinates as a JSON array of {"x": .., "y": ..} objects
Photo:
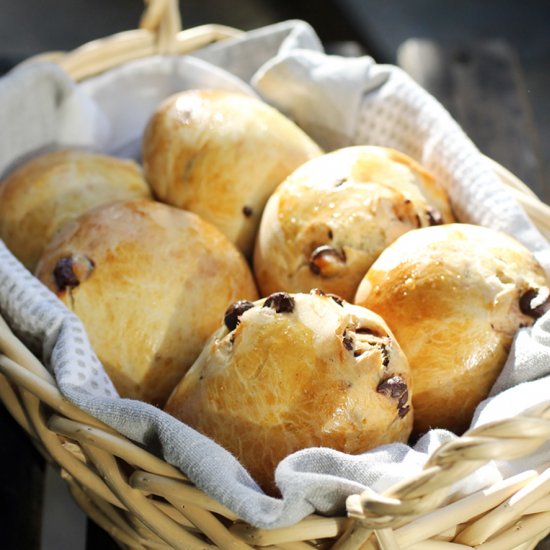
[{"x": 143, "y": 502}]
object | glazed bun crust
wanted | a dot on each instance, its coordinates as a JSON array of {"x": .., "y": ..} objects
[
  {"x": 221, "y": 155},
  {"x": 332, "y": 217},
  {"x": 150, "y": 284},
  {"x": 39, "y": 197},
  {"x": 454, "y": 296},
  {"x": 297, "y": 371}
]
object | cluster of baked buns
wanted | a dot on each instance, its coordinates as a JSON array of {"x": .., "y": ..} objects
[{"x": 270, "y": 295}]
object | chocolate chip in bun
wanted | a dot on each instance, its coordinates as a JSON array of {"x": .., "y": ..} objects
[
  {"x": 331, "y": 218},
  {"x": 40, "y": 196},
  {"x": 293, "y": 371},
  {"x": 454, "y": 296},
  {"x": 221, "y": 154},
  {"x": 150, "y": 283}
]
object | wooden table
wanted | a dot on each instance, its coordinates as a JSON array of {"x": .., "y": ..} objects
[{"x": 482, "y": 86}]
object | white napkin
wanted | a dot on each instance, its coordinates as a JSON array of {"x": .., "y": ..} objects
[{"x": 339, "y": 102}]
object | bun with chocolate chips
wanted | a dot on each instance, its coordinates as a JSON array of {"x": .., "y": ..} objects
[
  {"x": 325, "y": 225},
  {"x": 40, "y": 196},
  {"x": 454, "y": 296},
  {"x": 293, "y": 371},
  {"x": 150, "y": 284},
  {"x": 221, "y": 154}
]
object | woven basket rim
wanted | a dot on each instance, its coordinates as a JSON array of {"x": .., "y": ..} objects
[{"x": 407, "y": 515}]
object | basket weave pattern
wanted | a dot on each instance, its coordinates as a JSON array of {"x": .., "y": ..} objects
[{"x": 143, "y": 502}]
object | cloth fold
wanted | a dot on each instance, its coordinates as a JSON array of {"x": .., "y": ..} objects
[{"x": 339, "y": 102}]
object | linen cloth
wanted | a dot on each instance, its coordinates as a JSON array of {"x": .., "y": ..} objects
[{"x": 339, "y": 102}]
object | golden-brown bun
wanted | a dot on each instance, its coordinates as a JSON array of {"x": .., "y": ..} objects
[
  {"x": 326, "y": 224},
  {"x": 43, "y": 194},
  {"x": 454, "y": 296},
  {"x": 150, "y": 283},
  {"x": 296, "y": 371},
  {"x": 221, "y": 155}
]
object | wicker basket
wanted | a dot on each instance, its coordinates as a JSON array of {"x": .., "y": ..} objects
[{"x": 143, "y": 502}]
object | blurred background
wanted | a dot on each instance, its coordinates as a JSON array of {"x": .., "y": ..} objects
[{"x": 488, "y": 62}]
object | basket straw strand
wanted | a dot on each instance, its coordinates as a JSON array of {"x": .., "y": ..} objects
[
  {"x": 353, "y": 538},
  {"x": 137, "y": 503},
  {"x": 107, "y": 518},
  {"x": 310, "y": 528},
  {"x": 439, "y": 545},
  {"x": 386, "y": 539},
  {"x": 210, "y": 526},
  {"x": 60, "y": 455},
  {"x": 461, "y": 511},
  {"x": 298, "y": 546},
  {"x": 113, "y": 444},
  {"x": 157, "y": 14},
  {"x": 184, "y": 493},
  {"x": 523, "y": 531},
  {"x": 541, "y": 505},
  {"x": 452, "y": 462},
  {"x": 45, "y": 391},
  {"x": 14, "y": 349},
  {"x": 507, "y": 512}
]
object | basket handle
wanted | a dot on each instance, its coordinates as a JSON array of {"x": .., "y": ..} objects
[
  {"x": 159, "y": 34},
  {"x": 162, "y": 18}
]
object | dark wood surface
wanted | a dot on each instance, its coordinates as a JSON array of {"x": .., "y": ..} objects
[
  {"x": 21, "y": 487},
  {"x": 481, "y": 85}
]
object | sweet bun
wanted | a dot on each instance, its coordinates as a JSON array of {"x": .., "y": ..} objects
[
  {"x": 454, "y": 296},
  {"x": 221, "y": 154},
  {"x": 46, "y": 192},
  {"x": 150, "y": 284},
  {"x": 325, "y": 225},
  {"x": 296, "y": 371}
]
